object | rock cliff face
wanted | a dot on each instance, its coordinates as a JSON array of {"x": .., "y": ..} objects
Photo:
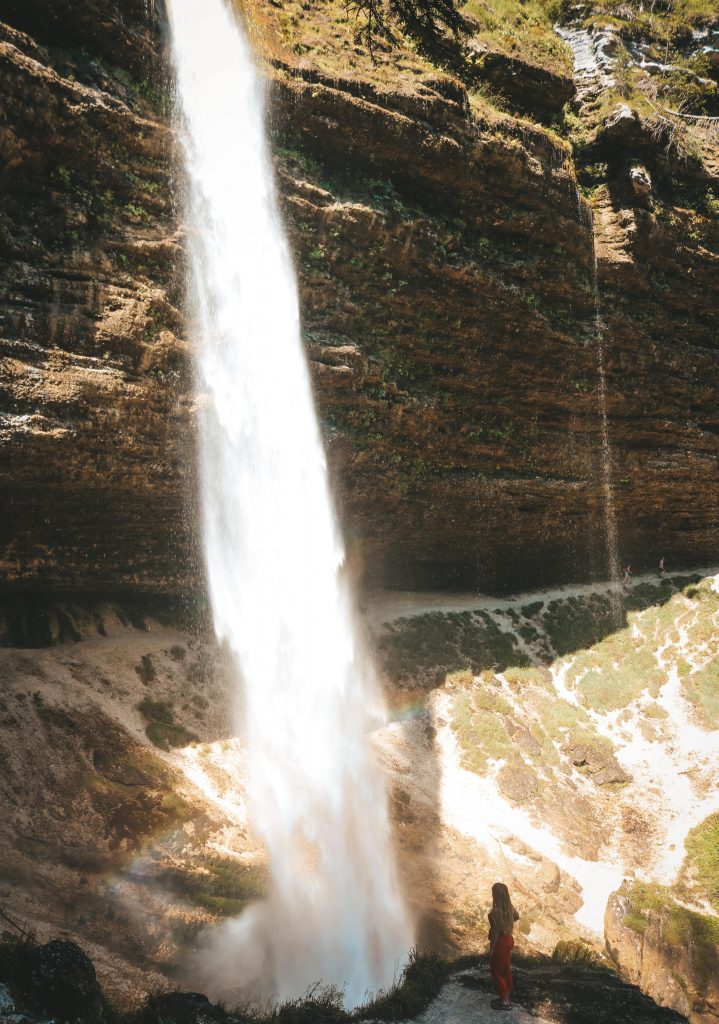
[
  {"x": 93, "y": 426},
  {"x": 669, "y": 951},
  {"x": 446, "y": 264}
]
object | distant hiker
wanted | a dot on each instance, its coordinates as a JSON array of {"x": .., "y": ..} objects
[
  {"x": 661, "y": 566},
  {"x": 501, "y": 925},
  {"x": 627, "y": 574}
]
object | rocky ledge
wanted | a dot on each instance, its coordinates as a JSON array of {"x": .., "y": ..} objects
[{"x": 57, "y": 982}]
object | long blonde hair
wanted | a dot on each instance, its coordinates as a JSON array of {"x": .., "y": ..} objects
[{"x": 503, "y": 913}]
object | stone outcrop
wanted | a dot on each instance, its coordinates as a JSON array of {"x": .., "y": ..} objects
[
  {"x": 533, "y": 89},
  {"x": 671, "y": 952},
  {"x": 446, "y": 269},
  {"x": 600, "y": 764},
  {"x": 55, "y": 980}
]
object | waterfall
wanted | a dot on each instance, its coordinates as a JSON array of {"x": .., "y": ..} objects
[
  {"x": 306, "y": 699},
  {"x": 611, "y": 537},
  {"x": 610, "y": 515},
  {"x": 590, "y": 73}
]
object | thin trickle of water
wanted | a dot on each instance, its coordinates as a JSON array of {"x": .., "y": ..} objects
[
  {"x": 274, "y": 558},
  {"x": 591, "y": 66},
  {"x": 610, "y": 517}
]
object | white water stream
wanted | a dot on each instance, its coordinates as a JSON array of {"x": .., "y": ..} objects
[{"x": 274, "y": 558}]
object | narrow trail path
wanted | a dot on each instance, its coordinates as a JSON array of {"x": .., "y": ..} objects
[
  {"x": 384, "y": 606},
  {"x": 458, "y": 1003}
]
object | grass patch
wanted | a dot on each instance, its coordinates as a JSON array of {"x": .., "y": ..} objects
[
  {"x": 419, "y": 983},
  {"x": 481, "y": 733},
  {"x": 463, "y": 680},
  {"x": 161, "y": 728},
  {"x": 637, "y": 922},
  {"x": 702, "y": 861},
  {"x": 701, "y": 689},
  {"x": 615, "y": 672},
  {"x": 616, "y": 683},
  {"x": 518, "y": 677},
  {"x": 223, "y": 886},
  {"x": 569, "y": 951},
  {"x": 559, "y": 717},
  {"x": 520, "y": 29},
  {"x": 655, "y": 711}
]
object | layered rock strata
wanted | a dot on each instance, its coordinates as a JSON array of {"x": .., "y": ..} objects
[{"x": 446, "y": 267}]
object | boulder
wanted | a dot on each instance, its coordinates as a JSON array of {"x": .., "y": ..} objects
[
  {"x": 517, "y": 782},
  {"x": 56, "y": 980},
  {"x": 601, "y": 766},
  {"x": 7, "y": 1003},
  {"x": 182, "y": 1008},
  {"x": 65, "y": 985},
  {"x": 640, "y": 182}
]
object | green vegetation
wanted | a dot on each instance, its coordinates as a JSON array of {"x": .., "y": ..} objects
[
  {"x": 426, "y": 647},
  {"x": 560, "y": 718},
  {"x": 702, "y": 861},
  {"x": 578, "y": 622},
  {"x": 521, "y": 29},
  {"x": 663, "y": 23},
  {"x": 576, "y": 952},
  {"x": 161, "y": 728},
  {"x": 618, "y": 669},
  {"x": 221, "y": 885},
  {"x": 701, "y": 688},
  {"x": 518, "y": 677},
  {"x": 616, "y": 683},
  {"x": 418, "y": 985},
  {"x": 426, "y": 21},
  {"x": 480, "y": 730}
]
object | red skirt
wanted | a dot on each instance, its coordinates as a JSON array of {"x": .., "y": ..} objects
[{"x": 500, "y": 966}]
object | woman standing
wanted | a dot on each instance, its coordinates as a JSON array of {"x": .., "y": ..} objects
[{"x": 501, "y": 925}]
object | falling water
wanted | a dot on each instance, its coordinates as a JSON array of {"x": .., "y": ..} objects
[
  {"x": 274, "y": 557},
  {"x": 591, "y": 72},
  {"x": 610, "y": 517}
]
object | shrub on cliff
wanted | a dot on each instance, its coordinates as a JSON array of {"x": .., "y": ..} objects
[{"x": 425, "y": 20}]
